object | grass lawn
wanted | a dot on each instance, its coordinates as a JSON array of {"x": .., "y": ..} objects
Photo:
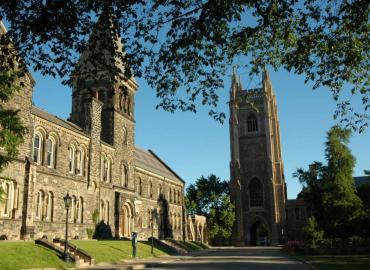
[
  {"x": 112, "y": 251},
  {"x": 23, "y": 255},
  {"x": 339, "y": 262}
]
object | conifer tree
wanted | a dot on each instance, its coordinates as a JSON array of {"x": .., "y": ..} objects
[
  {"x": 340, "y": 201},
  {"x": 330, "y": 188}
]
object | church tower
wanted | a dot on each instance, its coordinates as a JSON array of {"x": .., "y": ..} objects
[
  {"x": 256, "y": 169},
  {"x": 100, "y": 73}
]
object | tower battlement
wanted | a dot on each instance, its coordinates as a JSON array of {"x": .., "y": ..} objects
[{"x": 256, "y": 169}]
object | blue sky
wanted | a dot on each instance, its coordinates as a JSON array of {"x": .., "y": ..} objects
[{"x": 195, "y": 144}]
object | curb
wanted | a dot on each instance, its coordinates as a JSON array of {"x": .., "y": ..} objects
[{"x": 310, "y": 265}]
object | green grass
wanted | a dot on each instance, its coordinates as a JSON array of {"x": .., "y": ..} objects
[
  {"x": 24, "y": 255},
  {"x": 112, "y": 251},
  {"x": 339, "y": 262}
]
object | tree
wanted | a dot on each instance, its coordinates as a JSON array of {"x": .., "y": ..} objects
[
  {"x": 330, "y": 189},
  {"x": 12, "y": 130},
  {"x": 312, "y": 233},
  {"x": 184, "y": 48},
  {"x": 210, "y": 197}
]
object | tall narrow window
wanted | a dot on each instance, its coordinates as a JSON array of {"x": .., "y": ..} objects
[
  {"x": 252, "y": 123},
  {"x": 107, "y": 213},
  {"x": 50, "y": 152},
  {"x": 124, "y": 136},
  {"x": 38, "y": 204},
  {"x": 150, "y": 190},
  {"x": 255, "y": 193},
  {"x": 72, "y": 158},
  {"x": 50, "y": 206},
  {"x": 102, "y": 210},
  {"x": 81, "y": 210},
  {"x": 80, "y": 164},
  {"x": 140, "y": 187},
  {"x": 37, "y": 143},
  {"x": 6, "y": 199},
  {"x": 108, "y": 171},
  {"x": 77, "y": 211},
  {"x": 124, "y": 176}
]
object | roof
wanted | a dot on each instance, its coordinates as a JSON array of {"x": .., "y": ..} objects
[
  {"x": 55, "y": 119},
  {"x": 148, "y": 160},
  {"x": 361, "y": 180}
]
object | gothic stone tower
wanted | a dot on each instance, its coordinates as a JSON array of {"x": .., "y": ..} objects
[{"x": 256, "y": 167}]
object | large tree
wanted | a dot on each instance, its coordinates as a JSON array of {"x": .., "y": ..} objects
[
  {"x": 12, "y": 129},
  {"x": 210, "y": 197},
  {"x": 184, "y": 48},
  {"x": 330, "y": 189}
]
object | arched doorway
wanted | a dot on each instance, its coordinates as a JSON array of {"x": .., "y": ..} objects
[
  {"x": 258, "y": 234},
  {"x": 126, "y": 221}
]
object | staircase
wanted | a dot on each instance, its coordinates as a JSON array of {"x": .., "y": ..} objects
[
  {"x": 171, "y": 246},
  {"x": 79, "y": 256}
]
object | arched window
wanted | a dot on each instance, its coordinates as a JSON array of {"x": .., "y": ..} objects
[
  {"x": 102, "y": 210},
  {"x": 40, "y": 204},
  {"x": 140, "y": 187},
  {"x": 252, "y": 123},
  {"x": 124, "y": 176},
  {"x": 50, "y": 152},
  {"x": 255, "y": 193},
  {"x": 74, "y": 209},
  {"x": 107, "y": 213},
  {"x": 72, "y": 158},
  {"x": 124, "y": 136},
  {"x": 50, "y": 206},
  {"x": 37, "y": 147},
  {"x": 160, "y": 190},
  {"x": 81, "y": 210},
  {"x": 80, "y": 164},
  {"x": 109, "y": 170},
  {"x": 6, "y": 198}
]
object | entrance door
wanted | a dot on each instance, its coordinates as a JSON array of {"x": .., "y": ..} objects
[
  {"x": 259, "y": 234},
  {"x": 125, "y": 221}
]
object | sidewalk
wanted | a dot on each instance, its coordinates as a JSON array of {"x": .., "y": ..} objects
[{"x": 144, "y": 263}]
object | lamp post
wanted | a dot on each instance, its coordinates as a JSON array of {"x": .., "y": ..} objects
[{"x": 67, "y": 203}]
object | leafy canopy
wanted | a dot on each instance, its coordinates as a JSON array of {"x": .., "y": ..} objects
[
  {"x": 330, "y": 188},
  {"x": 184, "y": 48},
  {"x": 210, "y": 197}
]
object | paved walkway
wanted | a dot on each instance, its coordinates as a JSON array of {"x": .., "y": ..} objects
[{"x": 230, "y": 258}]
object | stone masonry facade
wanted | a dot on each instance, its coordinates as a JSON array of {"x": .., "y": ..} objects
[
  {"x": 93, "y": 157},
  {"x": 257, "y": 176}
]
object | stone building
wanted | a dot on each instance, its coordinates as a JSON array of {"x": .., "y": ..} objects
[
  {"x": 257, "y": 177},
  {"x": 93, "y": 157}
]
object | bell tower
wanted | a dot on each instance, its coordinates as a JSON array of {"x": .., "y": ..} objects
[
  {"x": 100, "y": 72},
  {"x": 256, "y": 169}
]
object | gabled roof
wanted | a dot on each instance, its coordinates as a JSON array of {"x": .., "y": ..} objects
[
  {"x": 56, "y": 120},
  {"x": 148, "y": 160}
]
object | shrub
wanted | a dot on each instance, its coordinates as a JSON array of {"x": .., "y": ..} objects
[
  {"x": 90, "y": 233},
  {"x": 313, "y": 235},
  {"x": 294, "y": 246},
  {"x": 103, "y": 231}
]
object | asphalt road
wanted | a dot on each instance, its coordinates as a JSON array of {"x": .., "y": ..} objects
[{"x": 249, "y": 258}]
